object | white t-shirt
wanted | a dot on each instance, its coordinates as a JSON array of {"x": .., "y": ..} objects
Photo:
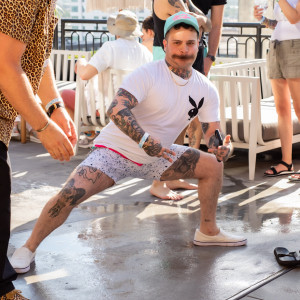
[
  {"x": 164, "y": 108},
  {"x": 284, "y": 30},
  {"x": 121, "y": 54},
  {"x": 126, "y": 54}
]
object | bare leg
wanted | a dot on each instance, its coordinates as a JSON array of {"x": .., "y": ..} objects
[
  {"x": 209, "y": 172},
  {"x": 82, "y": 184},
  {"x": 164, "y": 190},
  {"x": 282, "y": 100}
]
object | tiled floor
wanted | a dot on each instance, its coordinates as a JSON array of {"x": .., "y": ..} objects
[{"x": 125, "y": 244}]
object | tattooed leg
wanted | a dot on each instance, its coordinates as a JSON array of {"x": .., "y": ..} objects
[
  {"x": 204, "y": 167},
  {"x": 83, "y": 183}
]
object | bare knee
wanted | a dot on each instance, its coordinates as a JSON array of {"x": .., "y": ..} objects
[{"x": 209, "y": 167}]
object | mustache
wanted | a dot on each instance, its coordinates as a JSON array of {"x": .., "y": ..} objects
[{"x": 183, "y": 57}]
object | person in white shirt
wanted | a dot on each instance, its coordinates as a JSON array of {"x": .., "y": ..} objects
[
  {"x": 152, "y": 106},
  {"x": 126, "y": 53},
  {"x": 283, "y": 61}
]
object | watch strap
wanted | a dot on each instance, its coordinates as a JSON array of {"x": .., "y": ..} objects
[
  {"x": 54, "y": 107},
  {"x": 212, "y": 58}
]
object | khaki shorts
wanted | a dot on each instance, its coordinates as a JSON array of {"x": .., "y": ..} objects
[{"x": 283, "y": 59}]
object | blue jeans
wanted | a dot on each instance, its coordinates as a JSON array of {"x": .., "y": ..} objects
[{"x": 7, "y": 273}]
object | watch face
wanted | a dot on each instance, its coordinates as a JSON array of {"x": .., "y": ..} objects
[{"x": 211, "y": 57}]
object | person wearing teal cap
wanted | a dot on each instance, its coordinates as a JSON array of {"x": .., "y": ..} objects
[{"x": 152, "y": 106}]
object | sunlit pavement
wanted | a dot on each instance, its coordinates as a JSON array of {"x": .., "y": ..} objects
[{"x": 125, "y": 244}]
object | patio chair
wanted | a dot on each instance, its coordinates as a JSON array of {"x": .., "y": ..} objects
[
  {"x": 91, "y": 114},
  {"x": 251, "y": 122}
]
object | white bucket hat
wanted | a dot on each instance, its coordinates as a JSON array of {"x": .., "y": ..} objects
[{"x": 125, "y": 24}]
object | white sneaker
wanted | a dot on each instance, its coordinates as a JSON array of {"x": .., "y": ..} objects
[
  {"x": 21, "y": 260},
  {"x": 221, "y": 239}
]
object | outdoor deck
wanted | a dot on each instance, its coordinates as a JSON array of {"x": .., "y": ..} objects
[{"x": 125, "y": 244}]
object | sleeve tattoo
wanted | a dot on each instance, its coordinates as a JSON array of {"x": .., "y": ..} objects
[{"x": 120, "y": 113}]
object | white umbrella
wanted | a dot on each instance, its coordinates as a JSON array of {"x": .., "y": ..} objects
[{"x": 116, "y": 5}]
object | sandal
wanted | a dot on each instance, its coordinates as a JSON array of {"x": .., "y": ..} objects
[
  {"x": 295, "y": 177},
  {"x": 284, "y": 172},
  {"x": 286, "y": 258}
]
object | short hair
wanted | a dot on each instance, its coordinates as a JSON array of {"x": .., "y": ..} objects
[
  {"x": 184, "y": 25},
  {"x": 148, "y": 24}
]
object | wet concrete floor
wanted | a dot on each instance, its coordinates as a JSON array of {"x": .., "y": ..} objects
[{"x": 124, "y": 243}]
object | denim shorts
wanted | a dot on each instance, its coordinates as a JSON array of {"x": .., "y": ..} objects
[
  {"x": 283, "y": 59},
  {"x": 117, "y": 167}
]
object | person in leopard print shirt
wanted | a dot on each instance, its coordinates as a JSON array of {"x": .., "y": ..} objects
[{"x": 26, "y": 34}]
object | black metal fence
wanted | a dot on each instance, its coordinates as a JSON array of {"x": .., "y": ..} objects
[{"x": 238, "y": 39}]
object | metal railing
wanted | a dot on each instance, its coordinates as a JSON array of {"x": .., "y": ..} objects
[{"x": 238, "y": 39}]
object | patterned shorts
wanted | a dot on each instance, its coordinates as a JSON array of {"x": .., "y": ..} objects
[{"x": 117, "y": 167}]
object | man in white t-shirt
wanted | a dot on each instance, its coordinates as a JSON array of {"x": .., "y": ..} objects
[
  {"x": 125, "y": 53},
  {"x": 151, "y": 108}
]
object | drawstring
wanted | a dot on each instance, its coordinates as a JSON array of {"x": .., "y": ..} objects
[{"x": 276, "y": 42}]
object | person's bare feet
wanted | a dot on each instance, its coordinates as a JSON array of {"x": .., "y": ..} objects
[
  {"x": 164, "y": 189},
  {"x": 160, "y": 190}
]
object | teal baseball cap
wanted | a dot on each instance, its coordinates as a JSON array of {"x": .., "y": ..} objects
[{"x": 180, "y": 17}]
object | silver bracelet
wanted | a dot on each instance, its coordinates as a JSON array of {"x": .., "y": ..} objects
[
  {"x": 56, "y": 100},
  {"x": 143, "y": 139},
  {"x": 42, "y": 129}
]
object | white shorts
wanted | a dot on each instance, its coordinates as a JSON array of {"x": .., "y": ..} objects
[{"x": 117, "y": 167}]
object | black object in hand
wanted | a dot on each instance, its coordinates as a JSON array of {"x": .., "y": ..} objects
[{"x": 218, "y": 136}]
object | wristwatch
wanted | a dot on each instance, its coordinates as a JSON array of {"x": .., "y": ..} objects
[{"x": 211, "y": 57}]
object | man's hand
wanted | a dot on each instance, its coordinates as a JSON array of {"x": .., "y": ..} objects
[
  {"x": 223, "y": 152},
  {"x": 56, "y": 142},
  {"x": 153, "y": 147},
  {"x": 258, "y": 12},
  {"x": 61, "y": 117}
]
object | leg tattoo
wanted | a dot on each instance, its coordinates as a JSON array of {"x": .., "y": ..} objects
[
  {"x": 184, "y": 167},
  {"x": 69, "y": 194}
]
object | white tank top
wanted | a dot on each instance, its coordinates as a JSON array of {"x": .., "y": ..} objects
[{"x": 284, "y": 30}]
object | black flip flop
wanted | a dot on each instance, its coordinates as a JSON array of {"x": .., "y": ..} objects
[
  {"x": 283, "y": 172},
  {"x": 286, "y": 258}
]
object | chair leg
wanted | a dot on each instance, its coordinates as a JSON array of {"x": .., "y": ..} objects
[
  {"x": 252, "y": 164},
  {"x": 23, "y": 130}
]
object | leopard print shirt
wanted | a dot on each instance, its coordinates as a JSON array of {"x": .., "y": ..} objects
[{"x": 31, "y": 22}]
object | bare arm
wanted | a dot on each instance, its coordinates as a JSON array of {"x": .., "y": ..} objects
[
  {"x": 47, "y": 92},
  {"x": 121, "y": 114},
  {"x": 258, "y": 14},
  {"x": 17, "y": 89},
  {"x": 222, "y": 152},
  {"x": 291, "y": 13},
  {"x": 85, "y": 70},
  {"x": 166, "y": 8},
  {"x": 214, "y": 36}
]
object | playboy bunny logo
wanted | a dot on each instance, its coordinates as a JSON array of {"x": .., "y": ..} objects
[{"x": 194, "y": 111}]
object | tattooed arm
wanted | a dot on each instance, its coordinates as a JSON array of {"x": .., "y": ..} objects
[
  {"x": 166, "y": 8},
  {"x": 258, "y": 14},
  {"x": 120, "y": 113},
  {"x": 222, "y": 152},
  {"x": 203, "y": 21}
]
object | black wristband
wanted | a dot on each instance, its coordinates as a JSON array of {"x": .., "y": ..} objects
[{"x": 53, "y": 107}]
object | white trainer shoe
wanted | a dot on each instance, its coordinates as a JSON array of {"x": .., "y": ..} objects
[
  {"x": 221, "y": 239},
  {"x": 21, "y": 260}
]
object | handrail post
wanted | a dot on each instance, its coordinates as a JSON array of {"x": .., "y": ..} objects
[
  {"x": 258, "y": 43},
  {"x": 62, "y": 36}
]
